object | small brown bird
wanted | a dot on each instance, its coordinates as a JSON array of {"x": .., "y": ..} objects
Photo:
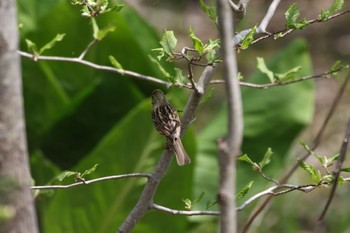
[{"x": 167, "y": 122}]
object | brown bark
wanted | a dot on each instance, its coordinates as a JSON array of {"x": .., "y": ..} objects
[{"x": 16, "y": 201}]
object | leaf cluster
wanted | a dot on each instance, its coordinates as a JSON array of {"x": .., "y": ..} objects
[
  {"x": 322, "y": 178},
  {"x": 92, "y": 8}
]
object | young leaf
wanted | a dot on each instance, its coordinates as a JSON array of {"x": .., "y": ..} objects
[
  {"x": 168, "y": 42},
  {"x": 248, "y": 39},
  {"x": 32, "y": 47},
  {"x": 199, "y": 198},
  {"x": 188, "y": 203},
  {"x": 209, "y": 49},
  {"x": 210, "y": 11},
  {"x": 161, "y": 69},
  {"x": 115, "y": 63},
  {"x": 179, "y": 77},
  {"x": 266, "y": 160},
  {"x": 65, "y": 174},
  {"x": 263, "y": 69},
  {"x": 292, "y": 16},
  {"x": 89, "y": 171},
  {"x": 345, "y": 169},
  {"x": 49, "y": 45},
  {"x": 336, "y": 6},
  {"x": 245, "y": 190},
  {"x": 210, "y": 204},
  {"x": 288, "y": 75},
  {"x": 99, "y": 34},
  {"x": 246, "y": 158},
  {"x": 197, "y": 43},
  {"x": 311, "y": 170}
]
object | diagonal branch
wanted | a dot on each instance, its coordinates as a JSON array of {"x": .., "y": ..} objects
[
  {"x": 262, "y": 26},
  {"x": 337, "y": 170},
  {"x": 145, "y": 201}
]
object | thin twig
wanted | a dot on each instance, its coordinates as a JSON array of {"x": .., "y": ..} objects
[
  {"x": 86, "y": 182},
  {"x": 82, "y": 55},
  {"x": 97, "y": 67},
  {"x": 337, "y": 170},
  {"x": 269, "y": 85},
  {"x": 286, "y": 31},
  {"x": 183, "y": 212}
]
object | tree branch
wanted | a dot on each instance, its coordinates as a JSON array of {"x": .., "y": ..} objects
[
  {"x": 262, "y": 26},
  {"x": 97, "y": 67},
  {"x": 145, "y": 201},
  {"x": 183, "y": 212},
  {"x": 269, "y": 85},
  {"x": 91, "y": 181}
]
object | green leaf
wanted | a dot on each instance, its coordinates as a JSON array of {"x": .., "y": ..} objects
[
  {"x": 336, "y": 6},
  {"x": 65, "y": 174},
  {"x": 58, "y": 38},
  {"x": 245, "y": 190},
  {"x": 210, "y": 11},
  {"x": 245, "y": 158},
  {"x": 197, "y": 43},
  {"x": 161, "y": 69},
  {"x": 248, "y": 39},
  {"x": 179, "y": 78},
  {"x": 160, "y": 52},
  {"x": 210, "y": 49},
  {"x": 266, "y": 160},
  {"x": 210, "y": 204},
  {"x": 199, "y": 198},
  {"x": 288, "y": 75},
  {"x": 345, "y": 169},
  {"x": 292, "y": 18},
  {"x": 98, "y": 33},
  {"x": 311, "y": 170},
  {"x": 188, "y": 204},
  {"x": 115, "y": 63},
  {"x": 263, "y": 69},
  {"x": 89, "y": 171},
  {"x": 32, "y": 47},
  {"x": 168, "y": 42}
]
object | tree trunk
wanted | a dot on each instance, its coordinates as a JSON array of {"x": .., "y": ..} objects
[{"x": 17, "y": 213}]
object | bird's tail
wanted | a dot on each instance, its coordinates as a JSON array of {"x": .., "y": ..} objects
[{"x": 180, "y": 153}]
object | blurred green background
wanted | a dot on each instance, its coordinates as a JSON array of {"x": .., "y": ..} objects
[{"x": 77, "y": 116}]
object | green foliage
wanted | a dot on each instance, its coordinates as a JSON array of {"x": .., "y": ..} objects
[
  {"x": 288, "y": 75},
  {"x": 245, "y": 190},
  {"x": 33, "y": 48},
  {"x": 336, "y": 6},
  {"x": 292, "y": 18},
  {"x": 248, "y": 39},
  {"x": 115, "y": 63},
  {"x": 210, "y": 11},
  {"x": 315, "y": 175},
  {"x": 99, "y": 34},
  {"x": 168, "y": 42},
  {"x": 197, "y": 43},
  {"x": 190, "y": 203},
  {"x": 92, "y": 8}
]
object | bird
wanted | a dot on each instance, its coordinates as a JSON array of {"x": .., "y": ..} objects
[{"x": 167, "y": 122}]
